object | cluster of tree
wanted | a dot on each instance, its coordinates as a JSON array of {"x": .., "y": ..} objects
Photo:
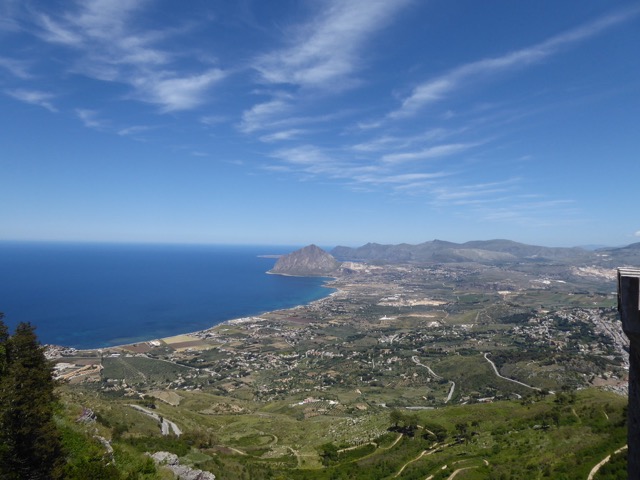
[
  {"x": 34, "y": 443},
  {"x": 408, "y": 423},
  {"x": 30, "y": 445}
]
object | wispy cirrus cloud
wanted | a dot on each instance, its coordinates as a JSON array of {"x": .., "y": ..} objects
[
  {"x": 322, "y": 54},
  {"x": 282, "y": 135},
  {"x": 401, "y": 181},
  {"x": 111, "y": 47},
  {"x": 34, "y": 97},
  {"x": 261, "y": 115},
  {"x": 326, "y": 49},
  {"x": 310, "y": 161},
  {"x": 134, "y": 130},
  {"x": 278, "y": 114},
  {"x": 90, "y": 118},
  {"x": 18, "y": 68},
  {"x": 439, "y": 88},
  {"x": 539, "y": 213},
  {"x": 432, "y": 152},
  {"x": 308, "y": 155},
  {"x": 173, "y": 92},
  {"x": 395, "y": 142},
  {"x": 475, "y": 193}
]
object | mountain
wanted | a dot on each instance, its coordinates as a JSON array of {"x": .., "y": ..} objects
[
  {"x": 310, "y": 261},
  {"x": 622, "y": 256},
  {"x": 485, "y": 251}
]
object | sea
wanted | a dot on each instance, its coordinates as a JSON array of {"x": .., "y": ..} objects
[{"x": 99, "y": 295}]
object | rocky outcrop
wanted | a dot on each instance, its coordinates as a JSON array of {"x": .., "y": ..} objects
[
  {"x": 310, "y": 261},
  {"x": 170, "y": 461}
]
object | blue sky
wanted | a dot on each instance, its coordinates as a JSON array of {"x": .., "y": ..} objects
[{"x": 333, "y": 122}]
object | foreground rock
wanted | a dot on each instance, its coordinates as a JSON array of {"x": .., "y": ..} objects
[
  {"x": 310, "y": 261},
  {"x": 170, "y": 461}
]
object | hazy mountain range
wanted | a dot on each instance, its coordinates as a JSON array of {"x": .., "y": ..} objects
[
  {"x": 487, "y": 251},
  {"x": 313, "y": 261}
]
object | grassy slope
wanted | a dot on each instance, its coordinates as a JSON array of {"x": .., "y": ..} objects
[{"x": 559, "y": 436}]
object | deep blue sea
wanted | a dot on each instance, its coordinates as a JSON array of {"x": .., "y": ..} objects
[{"x": 95, "y": 295}]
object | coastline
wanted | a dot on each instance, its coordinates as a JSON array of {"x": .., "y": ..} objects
[
  {"x": 199, "y": 334},
  {"x": 103, "y": 296}
]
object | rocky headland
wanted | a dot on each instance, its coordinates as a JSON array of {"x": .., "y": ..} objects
[{"x": 310, "y": 261}]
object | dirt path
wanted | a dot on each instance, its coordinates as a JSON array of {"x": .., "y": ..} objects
[
  {"x": 357, "y": 446},
  {"x": 393, "y": 444},
  {"x": 595, "y": 469},
  {"x": 425, "y": 452},
  {"x": 456, "y": 472}
]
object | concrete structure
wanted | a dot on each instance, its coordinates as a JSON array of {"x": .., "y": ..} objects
[{"x": 629, "y": 308}]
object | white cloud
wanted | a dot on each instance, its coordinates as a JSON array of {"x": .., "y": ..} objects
[
  {"x": 260, "y": 116},
  {"x": 310, "y": 161},
  {"x": 34, "y": 97},
  {"x": 134, "y": 130},
  {"x": 390, "y": 142},
  {"x": 436, "y": 89},
  {"x": 304, "y": 155},
  {"x": 90, "y": 118},
  {"x": 112, "y": 49},
  {"x": 402, "y": 179},
  {"x": 177, "y": 93},
  {"x": 475, "y": 193},
  {"x": 211, "y": 120},
  {"x": 53, "y": 32},
  {"x": 545, "y": 213},
  {"x": 282, "y": 135},
  {"x": 326, "y": 49},
  {"x": 17, "y": 68},
  {"x": 428, "y": 153},
  {"x": 637, "y": 234}
]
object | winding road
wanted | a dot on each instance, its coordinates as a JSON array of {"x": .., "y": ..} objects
[
  {"x": 495, "y": 369},
  {"x": 165, "y": 425},
  {"x": 436, "y": 376}
]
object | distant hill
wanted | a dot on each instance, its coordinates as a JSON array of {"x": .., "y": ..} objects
[
  {"x": 485, "y": 251},
  {"x": 306, "y": 262},
  {"x": 622, "y": 256}
]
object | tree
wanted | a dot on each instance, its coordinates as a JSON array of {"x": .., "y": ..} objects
[
  {"x": 329, "y": 453},
  {"x": 30, "y": 446},
  {"x": 396, "y": 417},
  {"x": 4, "y": 338}
]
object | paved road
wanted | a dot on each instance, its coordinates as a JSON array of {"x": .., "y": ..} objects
[
  {"x": 495, "y": 369},
  {"x": 436, "y": 376},
  {"x": 165, "y": 425}
]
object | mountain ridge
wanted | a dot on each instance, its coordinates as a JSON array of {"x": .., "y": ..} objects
[{"x": 495, "y": 251}]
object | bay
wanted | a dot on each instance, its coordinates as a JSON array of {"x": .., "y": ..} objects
[{"x": 99, "y": 295}]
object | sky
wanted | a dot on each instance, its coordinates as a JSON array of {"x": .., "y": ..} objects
[{"x": 328, "y": 122}]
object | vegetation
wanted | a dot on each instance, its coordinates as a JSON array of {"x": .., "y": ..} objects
[
  {"x": 39, "y": 438},
  {"x": 419, "y": 372},
  {"x": 30, "y": 445}
]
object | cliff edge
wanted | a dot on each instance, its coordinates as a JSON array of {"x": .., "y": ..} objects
[{"x": 310, "y": 261}]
